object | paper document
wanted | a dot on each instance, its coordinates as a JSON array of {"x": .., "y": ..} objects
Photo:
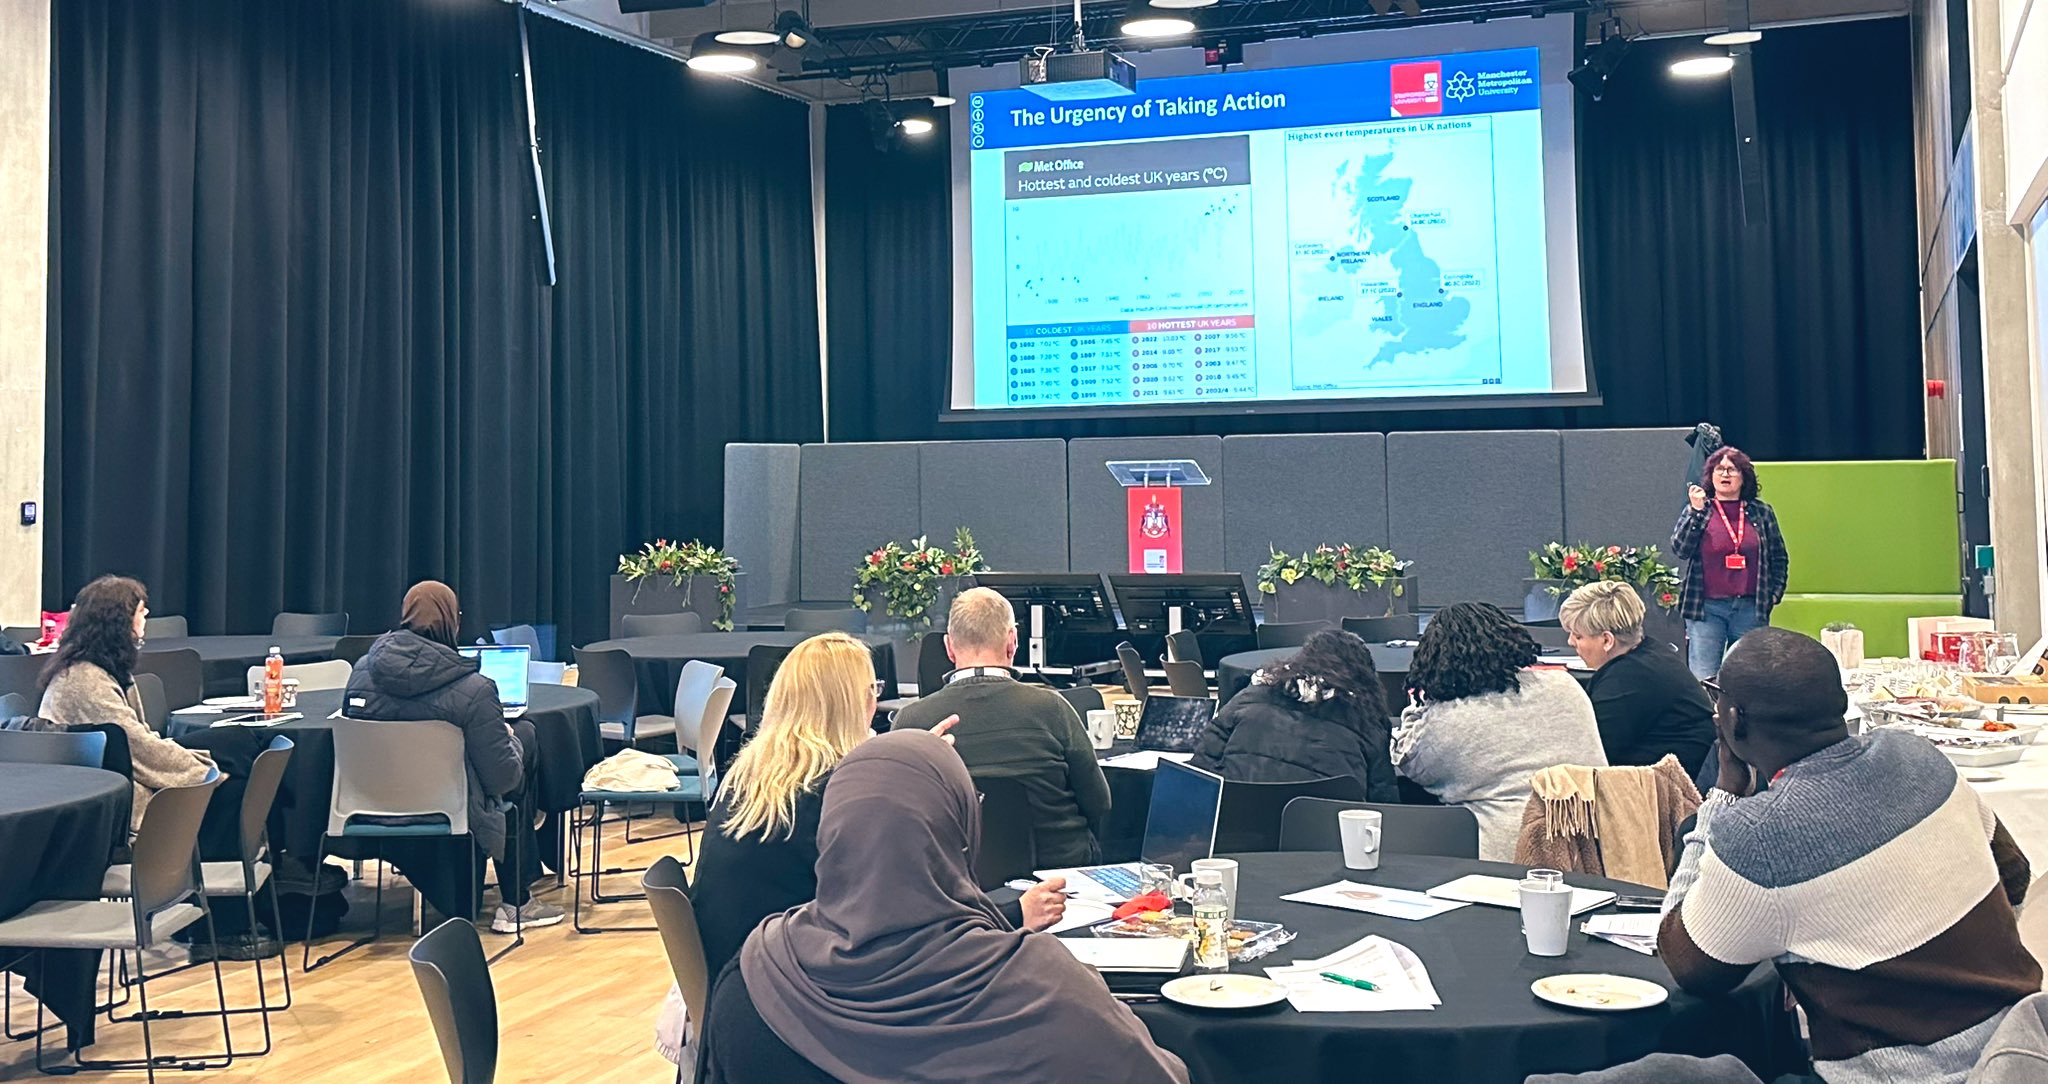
[
  {"x": 1507, "y": 892},
  {"x": 1374, "y": 900},
  {"x": 1163, "y": 954},
  {"x": 1402, "y": 980},
  {"x": 1569, "y": 662},
  {"x": 1145, "y": 760},
  {"x": 1081, "y": 913},
  {"x": 1635, "y": 932}
]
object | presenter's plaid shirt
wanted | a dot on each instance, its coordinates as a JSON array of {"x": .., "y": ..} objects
[{"x": 1772, "y": 565}]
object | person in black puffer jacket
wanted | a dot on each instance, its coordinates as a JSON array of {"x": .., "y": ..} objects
[
  {"x": 1321, "y": 713},
  {"x": 415, "y": 673}
]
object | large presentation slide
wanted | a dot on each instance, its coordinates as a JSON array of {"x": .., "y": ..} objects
[{"x": 1330, "y": 234}]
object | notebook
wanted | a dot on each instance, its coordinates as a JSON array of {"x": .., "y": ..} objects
[
  {"x": 1506, "y": 892},
  {"x": 1157, "y": 954}
]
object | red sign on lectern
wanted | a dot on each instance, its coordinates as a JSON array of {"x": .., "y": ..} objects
[{"x": 1154, "y": 524}]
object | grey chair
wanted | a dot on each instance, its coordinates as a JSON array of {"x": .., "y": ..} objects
[
  {"x": 351, "y": 649},
  {"x": 1378, "y": 630},
  {"x": 933, "y": 664},
  {"x": 298, "y": 624},
  {"x": 1288, "y": 634},
  {"x": 165, "y": 628},
  {"x": 1185, "y": 678},
  {"x": 610, "y": 673},
  {"x": 1084, "y": 698},
  {"x": 392, "y": 780},
  {"x": 23, "y": 634},
  {"x": 1549, "y": 635},
  {"x": 455, "y": 982},
  {"x": 78, "y": 748},
  {"x": 156, "y": 710},
  {"x": 846, "y": 620},
  {"x": 15, "y": 706},
  {"x": 1135, "y": 681},
  {"x": 311, "y": 676},
  {"x": 183, "y": 674},
  {"x": 1448, "y": 831},
  {"x": 1184, "y": 646},
  {"x": 540, "y": 639},
  {"x": 22, "y": 674},
  {"x": 1250, "y": 814},
  {"x": 661, "y": 624},
  {"x": 1008, "y": 846},
  {"x": 668, "y": 895},
  {"x": 240, "y": 879},
  {"x": 762, "y": 662},
  {"x": 166, "y": 897}
]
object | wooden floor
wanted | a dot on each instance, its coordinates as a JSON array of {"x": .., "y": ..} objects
[{"x": 570, "y": 1006}]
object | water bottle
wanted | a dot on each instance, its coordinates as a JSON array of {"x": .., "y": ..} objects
[
  {"x": 1212, "y": 921},
  {"x": 273, "y": 682}
]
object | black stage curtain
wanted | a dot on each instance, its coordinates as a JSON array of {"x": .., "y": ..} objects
[
  {"x": 303, "y": 349},
  {"x": 1799, "y": 336}
]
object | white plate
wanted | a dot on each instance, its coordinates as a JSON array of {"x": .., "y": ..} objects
[
  {"x": 1599, "y": 993},
  {"x": 1227, "y": 992}
]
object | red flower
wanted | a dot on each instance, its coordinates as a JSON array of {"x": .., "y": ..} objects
[
  {"x": 946, "y": 568},
  {"x": 906, "y": 564},
  {"x": 1599, "y": 566},
  {"x": 1571, "y": 562},
  {"x": 1666, "y": 599},
  {"x": 724, "y": 588},
  {"x": 667, "y": 565},
  {"x": 875, "y": 558},
  {"x": 1342, "y": 565},
  {"x": 1613, "y": 550}
]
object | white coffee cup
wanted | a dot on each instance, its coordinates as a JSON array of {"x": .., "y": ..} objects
[
  {"x": 1102, "y": 728},
  {"x": 1360, "y": 829},
  {"x": 1546, "y": 912},
  {"x": 1225, "y": 866}
]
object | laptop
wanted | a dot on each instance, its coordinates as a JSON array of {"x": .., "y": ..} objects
[
  {"x": 1173, "y": 724},
  {"x": 505, "y": 665},
  {"x": 1180, "y": 827}
]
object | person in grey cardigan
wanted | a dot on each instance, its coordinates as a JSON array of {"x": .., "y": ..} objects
[{"x": 1482, "y": 721}]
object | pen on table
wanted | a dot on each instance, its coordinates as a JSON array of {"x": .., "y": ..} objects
[
  {"x": 1022, "y": 885},
  {"x": 1135, "y": 999},
  {"x": 1347, "y": 981}
]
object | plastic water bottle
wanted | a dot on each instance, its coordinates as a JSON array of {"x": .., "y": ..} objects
[
  {"x": 273, "y": 682},
  {"x": 1212, "y": 921}
]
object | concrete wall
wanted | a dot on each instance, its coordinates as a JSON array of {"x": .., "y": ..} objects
[{"x": 24, "y": 283}]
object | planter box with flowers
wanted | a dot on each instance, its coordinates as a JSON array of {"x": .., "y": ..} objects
[
  {"x": 1561, "y": 569},
  {"x": 906, "y": 589},
  {"x": 666, "y": 577},
  {"x": 1330, "y": 583}
]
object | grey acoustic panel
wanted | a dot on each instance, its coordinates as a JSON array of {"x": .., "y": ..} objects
[
  {"x": 1300, "y": 490},
  {"x": 1468, "y": 508},
  {"x": 1097, "y": 541},
  {"x": 853, "y": 497},
  {"x": 1011, "y": 493},
  {"x": 761, "y": 520},
  {"x": 1624, "y": 487}
]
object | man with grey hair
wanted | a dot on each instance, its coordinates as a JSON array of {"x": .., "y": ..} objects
[
  {"x": 1011, "y": 730},
  {"x": 1645, "y": 700}
]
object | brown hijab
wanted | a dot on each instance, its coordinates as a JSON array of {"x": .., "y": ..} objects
[
  {"x": 431, "y": 611},
  {"x": 901, "y": 971}
]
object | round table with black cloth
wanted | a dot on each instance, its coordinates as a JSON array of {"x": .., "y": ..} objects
[
  {"x": 58, "y": 827},
  {"x": 1489, "y": 1030},
  {"x": 565, "y": 726},
  {"x": 225, "y": 660},
  {"x": 659, "y": 660}
]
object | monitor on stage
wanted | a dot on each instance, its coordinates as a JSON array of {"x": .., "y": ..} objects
[
  {"x": 1066, "y": 615},
  {"x": 1213, "y": 605}
]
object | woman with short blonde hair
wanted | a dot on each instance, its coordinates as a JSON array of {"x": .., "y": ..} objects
[
  {"x": 1645, "y": 701},
  {"x": 1606, "y": 608}
]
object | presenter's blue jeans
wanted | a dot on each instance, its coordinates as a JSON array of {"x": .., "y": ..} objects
[{"x": 1712, "y": 635}]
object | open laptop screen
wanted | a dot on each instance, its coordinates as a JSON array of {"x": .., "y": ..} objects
[
  {"x": 1181, "y": 824},
  {"x": 506, "y": 667}
]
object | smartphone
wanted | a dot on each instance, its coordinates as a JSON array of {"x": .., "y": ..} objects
[{"x": 1639, "y": 903}]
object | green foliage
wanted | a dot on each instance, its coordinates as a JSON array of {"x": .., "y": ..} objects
[
  {"x": 1575, "y": 566},
  {"x": 909, "y": 577},
  {"x": 1355, "y": 569},
  {"x": 682, "y": 561}
]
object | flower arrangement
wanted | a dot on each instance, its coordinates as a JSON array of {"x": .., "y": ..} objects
[
  {"x": 1356, "y": 569},
  {"x": 909, "y": 577},
  {"x": 680, "y": 562},
  {"x": 1576, "y": 566}
]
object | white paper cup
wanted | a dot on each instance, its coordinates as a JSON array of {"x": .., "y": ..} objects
[
  {"x": 1227, "y": 867},
  {"x": 1102, "y": 728},
  {"x": 1360, "y": 829},
  {"x": 1546, "y": 914}
]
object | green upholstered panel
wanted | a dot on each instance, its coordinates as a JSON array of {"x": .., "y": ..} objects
[
  {"x": 1884, "y": 527},
  {"x": 1881, "y": 617}
]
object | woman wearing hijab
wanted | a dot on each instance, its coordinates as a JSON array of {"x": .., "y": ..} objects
[
  {"x": 415, "y": 673},
  {"x": 901, "y": 971}
]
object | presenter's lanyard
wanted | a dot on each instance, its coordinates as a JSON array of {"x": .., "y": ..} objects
[{"x": 1738, "y": 529}]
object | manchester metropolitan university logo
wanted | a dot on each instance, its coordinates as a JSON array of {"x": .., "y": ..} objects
[
  {"x": 1153, "y": 523},
  {"x": 1460, "y": 87}
]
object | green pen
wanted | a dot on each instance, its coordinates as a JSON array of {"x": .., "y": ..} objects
[{"x": 1347, "y": 981}]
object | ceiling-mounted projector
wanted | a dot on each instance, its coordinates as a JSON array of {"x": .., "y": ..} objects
[{"x": 1083, "y": 74}]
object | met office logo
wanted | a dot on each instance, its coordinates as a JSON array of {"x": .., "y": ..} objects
[{"x": 1460, "y": 87}]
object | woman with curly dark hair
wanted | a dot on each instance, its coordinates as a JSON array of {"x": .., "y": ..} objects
[
  {"x": 1735, "y": 558},
  {"x": 1483, "y": 720},
  {"x": 1320, "y": 713}
]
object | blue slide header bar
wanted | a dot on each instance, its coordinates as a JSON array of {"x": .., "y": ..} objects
[{"x": 1446, "y": 85}]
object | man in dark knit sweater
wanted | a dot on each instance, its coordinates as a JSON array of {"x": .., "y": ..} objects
[{"x": 1010, "y": 730}]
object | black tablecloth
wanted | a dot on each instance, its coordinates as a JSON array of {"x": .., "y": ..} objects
[
  {"x": 225, "y": 660},
  {"x": 1490, "y": 1028},
  {"x": 58, "y": 825},
  {"x": 564, "y": 722},
  {"x": 660, "y": 659}
]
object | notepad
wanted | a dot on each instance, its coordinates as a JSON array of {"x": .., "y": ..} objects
[
  {"x": 1507, "y": 892},
  {"x": 1155, "y": 954},
  {"x": 1374, "y": 900},
  {"x": 1145, "y": 760}
]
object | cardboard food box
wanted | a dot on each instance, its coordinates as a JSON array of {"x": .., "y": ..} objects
[{"x": 1994, "y": 689}]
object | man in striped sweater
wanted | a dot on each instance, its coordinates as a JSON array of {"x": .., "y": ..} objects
[{"x": 1873, "y": 876}]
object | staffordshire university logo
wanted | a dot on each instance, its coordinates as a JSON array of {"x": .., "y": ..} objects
[
  {"x": 1416, "y": 88},
  {"x": 1460, "y": 87}
]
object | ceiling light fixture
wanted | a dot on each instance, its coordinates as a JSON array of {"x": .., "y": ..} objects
[
  {"x": 1183, "y": 5},
  {"x": 1703, "y": 67},
  {"x": 747, "y": 37},
  {"x": 1736, "y": 37},
  {"x": 916, "y": 126},
  {"x": 794, "y": 31},
  {"x": 941, "y": 101},
  {"x": 708, "y": 54}
]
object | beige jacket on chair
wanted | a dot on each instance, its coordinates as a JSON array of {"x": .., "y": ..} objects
[{"x": 1619, "y": 822}]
